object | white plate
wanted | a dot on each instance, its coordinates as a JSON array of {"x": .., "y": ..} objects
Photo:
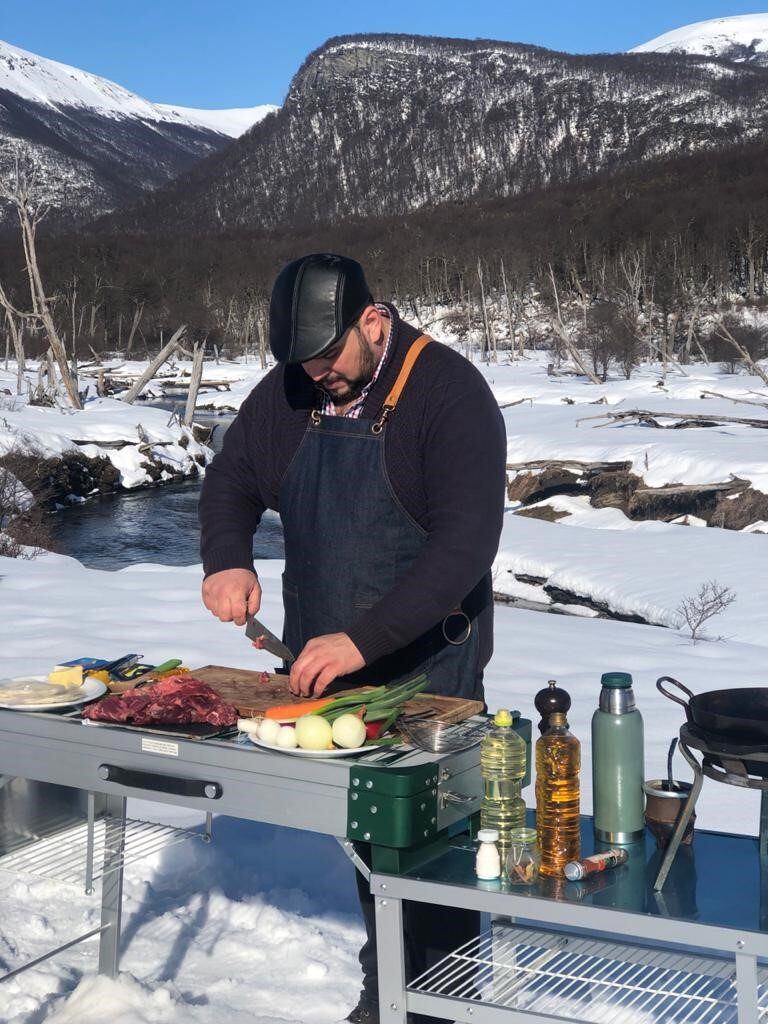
[
  {"x": 298, "y": 752},
  {"x": 91, "y": 689}
]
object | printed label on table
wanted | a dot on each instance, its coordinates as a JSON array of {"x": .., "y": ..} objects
[{"x": 167, "y": 747}]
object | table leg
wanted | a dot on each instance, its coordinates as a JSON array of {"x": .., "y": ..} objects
[
  {"x": 390, "y": 946},
  {"x": 682, "y": 821},
  {"x": 746, "y": 988},
  {"x": 112, "y": 886}
]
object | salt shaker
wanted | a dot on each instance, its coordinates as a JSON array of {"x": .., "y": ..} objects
[{"x": 488, "y": 861}]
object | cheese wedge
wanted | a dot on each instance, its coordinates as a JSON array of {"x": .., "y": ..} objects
[{"x": 67, "y": 676}]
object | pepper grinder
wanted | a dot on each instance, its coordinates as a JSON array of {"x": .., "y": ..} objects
[{"x": 552, "y": 700}]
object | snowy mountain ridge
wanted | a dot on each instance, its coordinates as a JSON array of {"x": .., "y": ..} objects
[
  {"x": 52, "y": 84},
  {"x": 742, "y": 39},
  {"x": 95, "y": 145},
  {"x": 381, "y": 125}
]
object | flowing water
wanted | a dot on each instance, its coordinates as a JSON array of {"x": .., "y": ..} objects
[{"x": 156, "y": 524}]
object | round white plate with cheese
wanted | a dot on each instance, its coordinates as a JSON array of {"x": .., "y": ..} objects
[{"x": 36, "y": 693}]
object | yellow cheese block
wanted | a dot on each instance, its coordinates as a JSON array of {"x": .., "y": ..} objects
[{"x": 67, "y": 676}]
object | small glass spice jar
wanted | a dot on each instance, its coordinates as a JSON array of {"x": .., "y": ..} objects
[
  {"x": 523, "y": 857},
  {"x": 488, "y": 861}
]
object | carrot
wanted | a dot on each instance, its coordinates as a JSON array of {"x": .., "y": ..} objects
[{"x": 290, "y": 712}]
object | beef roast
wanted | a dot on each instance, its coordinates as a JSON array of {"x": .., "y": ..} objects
[{"x": 175, "y": 700}]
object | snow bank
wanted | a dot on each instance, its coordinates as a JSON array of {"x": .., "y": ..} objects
[{"x": 146, "y": 434}]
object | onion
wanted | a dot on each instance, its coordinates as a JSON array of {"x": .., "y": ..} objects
[
  {"x": 250, "y": 725},
  {"x": 349, "y": 732},
  {"x": 269, "y": 730},
  {"x": 287, "y": 736},
  {"x": 313, "y": 733}
]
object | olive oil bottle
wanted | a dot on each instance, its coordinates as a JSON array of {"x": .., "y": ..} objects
[
  {"x": 502, "y": 767},
  {"x": 558, "y": 762}
]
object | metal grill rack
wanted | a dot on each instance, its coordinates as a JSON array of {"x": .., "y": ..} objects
[
  {"x": 94, "y": 848},
  {"x": 589, "y": 981}
]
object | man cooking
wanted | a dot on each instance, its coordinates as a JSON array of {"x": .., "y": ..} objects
[{"x": 384, "y": 453}]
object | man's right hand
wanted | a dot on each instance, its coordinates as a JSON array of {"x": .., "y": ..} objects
[{"x": 231, "y": 594}]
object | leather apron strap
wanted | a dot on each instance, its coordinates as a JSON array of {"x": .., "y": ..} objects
[{"x": 393, "y": 397}]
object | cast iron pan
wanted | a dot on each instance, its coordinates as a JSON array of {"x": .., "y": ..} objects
[{"x": 739, "y": 715}]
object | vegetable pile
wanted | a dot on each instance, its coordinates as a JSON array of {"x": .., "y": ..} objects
[{"x": 347, "y": 721}]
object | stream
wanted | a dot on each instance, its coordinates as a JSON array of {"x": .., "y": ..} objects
[{"x": 155, "y": 524}]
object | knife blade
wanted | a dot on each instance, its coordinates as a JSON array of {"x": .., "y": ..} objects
[{"x": 258, "y": 632}]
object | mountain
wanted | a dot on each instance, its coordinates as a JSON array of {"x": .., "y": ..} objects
[
  {"x": 742, "y": 39},
  {"x": 94, "y": 144},
  {"x": 380, "y": 125}
]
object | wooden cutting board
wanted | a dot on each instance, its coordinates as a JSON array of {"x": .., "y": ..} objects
[{"x": 251, "y": 695}]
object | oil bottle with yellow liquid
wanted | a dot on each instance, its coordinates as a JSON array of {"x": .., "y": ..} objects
[
  {"x": 558, "y": 763},
  {"x": 502, "y": 767}
]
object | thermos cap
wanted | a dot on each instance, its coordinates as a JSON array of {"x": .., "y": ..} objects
[{"x": 616, "y": 680}]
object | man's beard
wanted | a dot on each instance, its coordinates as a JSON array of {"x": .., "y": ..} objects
[{"x": 355, "y": 386}]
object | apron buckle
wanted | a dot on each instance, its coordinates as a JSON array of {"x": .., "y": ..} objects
[{"x": 378, "y": 426}]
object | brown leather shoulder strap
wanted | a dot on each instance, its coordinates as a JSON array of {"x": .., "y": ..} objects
[{"x": 413, "y": 353}]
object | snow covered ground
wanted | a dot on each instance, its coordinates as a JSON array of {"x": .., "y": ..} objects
[
  {"x": 145, "y": 432},
  {"x": 262, "y": 925}
]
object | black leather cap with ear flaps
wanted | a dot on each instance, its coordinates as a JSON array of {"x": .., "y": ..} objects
[{"x": 315, "y": 299}]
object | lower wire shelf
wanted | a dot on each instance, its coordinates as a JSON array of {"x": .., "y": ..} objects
[
  {"x": 89, "y": 850},
  {"x": 565, "y": 977}
]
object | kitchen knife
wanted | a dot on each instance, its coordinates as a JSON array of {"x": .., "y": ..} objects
[{"x": 265, "y": 638}]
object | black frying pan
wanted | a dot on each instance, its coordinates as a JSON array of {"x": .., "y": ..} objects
[{"x": 739, "y": 714}]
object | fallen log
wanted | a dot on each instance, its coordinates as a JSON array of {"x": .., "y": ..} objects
[
  {"x": 736, "y": 484},
  {"x": 683, "y": 419}
]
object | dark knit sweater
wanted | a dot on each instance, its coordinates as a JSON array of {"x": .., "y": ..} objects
[{"x": 445, "y": 453}]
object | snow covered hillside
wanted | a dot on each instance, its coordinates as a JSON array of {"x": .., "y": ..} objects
[
  {"x": 94, "y": 143},
  {"x": 54, "y": 84},
  {"x": 742, "y": 39}
]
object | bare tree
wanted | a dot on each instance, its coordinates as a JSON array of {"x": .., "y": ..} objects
[
  {"x": 741, "y": 339},
  {"x": 19, "y": 193},
  {"x": 562, "y": 332},
  {"x": 194, "y": 383},
  {"x": 165, "y": 352},
  {"x": 711, "y": 599},
  {"x": 16, "y": 332}
]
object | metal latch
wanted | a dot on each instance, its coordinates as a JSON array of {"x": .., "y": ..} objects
[{"x": 447, "y": 797}]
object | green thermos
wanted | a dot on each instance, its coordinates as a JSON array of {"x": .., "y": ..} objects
[{"x": 617, "y": 762}]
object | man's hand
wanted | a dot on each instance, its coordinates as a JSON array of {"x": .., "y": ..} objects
[
  {"x": 322, "y": 660},
  {"x": 231, "y": 594}
]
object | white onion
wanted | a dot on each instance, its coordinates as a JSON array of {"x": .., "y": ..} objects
[
  {"x": 349, "y": 732},
  {"x": 250, "y": 725},
  {"x": 287, "y": 736},
  {"x": 313, "y": 733},
  {"x": 269, "y": 730}
]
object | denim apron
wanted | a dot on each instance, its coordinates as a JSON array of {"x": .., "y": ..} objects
[{"x": 347, "y": 543}]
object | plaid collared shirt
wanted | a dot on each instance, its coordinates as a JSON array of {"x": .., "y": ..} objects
[{"x": 353, "y": 411}]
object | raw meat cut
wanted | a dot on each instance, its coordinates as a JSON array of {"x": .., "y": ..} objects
[{"x": 175, "y": 700}]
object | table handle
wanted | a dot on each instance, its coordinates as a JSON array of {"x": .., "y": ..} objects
[{"x": 159, "y": 783}]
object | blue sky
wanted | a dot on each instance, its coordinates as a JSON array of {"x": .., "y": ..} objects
[{"x": 234, "y": 53}]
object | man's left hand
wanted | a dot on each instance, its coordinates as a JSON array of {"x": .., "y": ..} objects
[{"x": 322, "y": 660}]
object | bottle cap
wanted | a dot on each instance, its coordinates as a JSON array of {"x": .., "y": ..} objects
[
  {"x": 488, "y": 835},
  {"x": 573, "y": 871},
  {"x": 616, "y": 680},
  {"x": 502, "y": 717}
]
